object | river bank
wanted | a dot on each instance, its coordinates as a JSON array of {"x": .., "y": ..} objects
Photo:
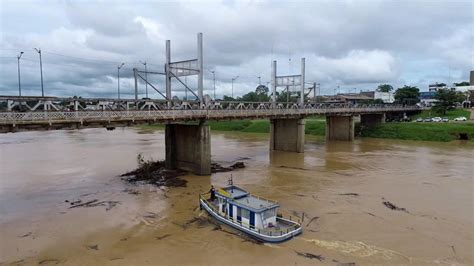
[{"x": 442, "y": 132}]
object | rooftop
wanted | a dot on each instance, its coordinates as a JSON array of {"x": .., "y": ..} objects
[
  {"x": 235, "y": 192},
  {"x": 256, "y": 204},
  {"x": 244, "y": 199}
]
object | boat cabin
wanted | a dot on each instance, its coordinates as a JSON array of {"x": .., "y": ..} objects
[{"x": 250, "y": 211}]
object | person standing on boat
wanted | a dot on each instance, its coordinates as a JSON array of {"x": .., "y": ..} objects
[{"x": 213, "y": 193}]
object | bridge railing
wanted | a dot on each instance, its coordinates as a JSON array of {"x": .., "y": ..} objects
[{"x": 80, "y": 116}]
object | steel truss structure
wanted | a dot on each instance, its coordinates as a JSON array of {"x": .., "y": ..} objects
[{"x": 287, "y": 81}]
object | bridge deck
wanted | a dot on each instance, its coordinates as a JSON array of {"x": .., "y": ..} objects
[{"x": 16, "y": 121}]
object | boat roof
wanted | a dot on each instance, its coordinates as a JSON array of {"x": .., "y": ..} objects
[
  {"x": 234, "y": 192},
  {"x": 243, "y": 199}
]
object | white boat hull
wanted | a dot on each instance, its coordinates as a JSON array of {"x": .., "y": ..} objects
[{"x": 253, "y": 233}]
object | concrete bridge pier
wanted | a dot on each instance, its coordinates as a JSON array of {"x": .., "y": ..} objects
[
  {"x": 188, "y": 147},
  {"x": 287, "y": 135},
  {"x": 340, "y": 127},
  {"x": 371, "y": 120}
]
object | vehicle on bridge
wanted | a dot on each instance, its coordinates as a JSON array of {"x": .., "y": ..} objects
[{"x": 253, "y": 215}]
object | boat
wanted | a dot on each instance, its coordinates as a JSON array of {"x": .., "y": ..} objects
[{"x": 253, "y": 215}]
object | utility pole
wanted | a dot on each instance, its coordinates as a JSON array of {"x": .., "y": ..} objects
[
  {"x": 314, "y": 91},
  {"x": 234, "y": 78},
  {"x": 118, "y": 78},
  {"x": 259, "y": 80},
  {"x": 41, "y": 71},
  {"x": 19, "y": 80},
  {"x": 146, "y": 79},
  {"x": 214, "y": 80}
]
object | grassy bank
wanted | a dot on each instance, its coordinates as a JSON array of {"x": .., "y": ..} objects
[
  {"x": 317, "y": 127},
  {"x": 421, "y": 131},
  {"x": 451, "y": 114}
]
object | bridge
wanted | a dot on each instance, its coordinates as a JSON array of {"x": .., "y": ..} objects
[{"x": 187, "y": 132}]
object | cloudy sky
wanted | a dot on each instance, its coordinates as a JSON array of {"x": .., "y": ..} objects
[{"x": 351, "y": 44}]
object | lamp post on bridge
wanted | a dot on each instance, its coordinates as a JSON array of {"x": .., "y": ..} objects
[
  {"x": 19, "y": 80},
  {"x": 118, "y": 78},
  {"x": 234, "y": 78},
  {"x": 41, "y": 70},
  {"x": 146, "y": 79},
  {"x": 214, "y": 81}
]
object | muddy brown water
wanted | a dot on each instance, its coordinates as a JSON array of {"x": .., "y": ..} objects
[{"x": 343, "y": 184}]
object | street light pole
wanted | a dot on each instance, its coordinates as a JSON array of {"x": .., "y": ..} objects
[
  {"x": 234, "y": 78},
  {"x": 146, "y": 79},
  {"x": 118, "y": 78},
  {"x": 259, "y": 80},
  {"x": 41, "y": 70},
  {"x": 19, "y": 80},
  {"x": 214, "y": 80}
]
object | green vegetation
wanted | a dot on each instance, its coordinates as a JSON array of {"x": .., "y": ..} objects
[
  {"x": 406, "y": 131},
  {"x": 385, "y": 88},
  {"x": 451, "y": 114},
  {"x": 313, "y": 126},
  {"x": 447, "y": 99},
  {"x": 421, "y": 131},
  {"x": 407, "y": 95}
]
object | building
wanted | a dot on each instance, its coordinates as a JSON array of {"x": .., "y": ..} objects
[
  {"x": 386, "y": 97},
  {"x": 427, "y": 98},
  {"x": 436, "y": 86},
  {"x": 352, "y": 98}
]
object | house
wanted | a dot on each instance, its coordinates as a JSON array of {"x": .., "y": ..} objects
[{"x": 386, "y": 97}]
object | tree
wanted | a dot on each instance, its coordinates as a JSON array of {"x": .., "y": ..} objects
[
  {"x": 407, "y": 95},
  {"x": 385, "y": 88},
  {"x": 259, "y": 95},
  {"x": 446, "y": 100},
  {"x": 262, "y": 89},
  {"x": 464, "y": 83},
  {"x": 228, "y": 98}
]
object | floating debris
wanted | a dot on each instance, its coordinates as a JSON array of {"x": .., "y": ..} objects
[
  {"x": 94, "y": 247},
  {"x": 155, "y": 172},
  {"x": 26, "y": 235},
  {"x": 392, "y": 206},
  {"x": 109, "y": 204},
  {"x": 310, "y": 255},
  {"x": 217, "y": 168},
  {"x": 162, "y": 237},
  {"x": 312, "y": 219},
  {"x": 48, "y": 261},
  {"x": 349, "y": 194}
]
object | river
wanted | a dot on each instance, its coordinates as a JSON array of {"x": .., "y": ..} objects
[{"x": 339, "y": 186}]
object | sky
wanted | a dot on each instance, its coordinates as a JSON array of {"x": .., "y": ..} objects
[{"x": 348, "y": 45}]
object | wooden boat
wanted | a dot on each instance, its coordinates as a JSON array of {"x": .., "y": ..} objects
[{"x": 250, "y": 214}]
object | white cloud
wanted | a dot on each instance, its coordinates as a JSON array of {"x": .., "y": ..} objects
[{"x": 359, "y": 66}]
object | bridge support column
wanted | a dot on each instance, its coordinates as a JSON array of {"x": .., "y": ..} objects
[
  {"x": 287, "y": 135},
  {"x": 188, "y": 147},
  {"x": 340, "y": 128},
  {"x": 371, "y": 120}
]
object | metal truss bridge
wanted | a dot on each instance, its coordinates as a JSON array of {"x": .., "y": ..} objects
[{"x": 24, "y": 113}]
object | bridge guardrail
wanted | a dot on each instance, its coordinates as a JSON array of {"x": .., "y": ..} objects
[{"x": 193, "y": 114}]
